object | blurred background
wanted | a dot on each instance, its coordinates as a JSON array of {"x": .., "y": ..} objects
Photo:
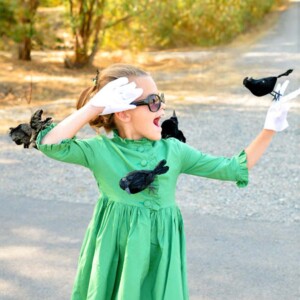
[
  {"x": 63, "y": 42},
  {"x": 88, "y": 26}
]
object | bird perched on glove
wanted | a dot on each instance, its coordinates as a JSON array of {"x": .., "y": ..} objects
[
  {"x": 26, "y": 133},
  {"x": 277, "y": 113},
  {"x": 263, "y": 86}
]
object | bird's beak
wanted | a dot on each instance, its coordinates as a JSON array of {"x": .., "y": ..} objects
[
  {"x": 128, "y": 190},
  {"x": 245, "y": 80}
]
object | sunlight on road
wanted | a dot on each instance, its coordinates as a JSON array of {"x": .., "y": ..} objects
[
  {"x": 9, "y": 161},
  {"x": 282, "y": 55}
]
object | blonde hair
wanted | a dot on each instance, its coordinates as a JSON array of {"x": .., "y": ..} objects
[{"x": 108, "y": 74}]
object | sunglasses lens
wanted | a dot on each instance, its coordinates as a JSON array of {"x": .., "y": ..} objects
[{"x": 154, "y": 103}]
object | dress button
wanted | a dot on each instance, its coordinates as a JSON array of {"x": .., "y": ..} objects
[
  {"x": 141, "y": 149},
  {"x": 155, "y": 207},
  {"x": 148, "y": 204},
  {"x": 144, "y": 163}
]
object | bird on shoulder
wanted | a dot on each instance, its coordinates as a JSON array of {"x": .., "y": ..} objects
[
  {"x": 26, "y": 133},
  {"x": 170, "y": 129}
]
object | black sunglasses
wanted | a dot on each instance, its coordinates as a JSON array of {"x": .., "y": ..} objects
[{"x": 153, "y": 101}]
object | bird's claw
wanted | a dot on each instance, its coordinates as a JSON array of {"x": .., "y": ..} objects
[
  {"x": 276, "y": 96},
  {"x": 280, "y": 90}
]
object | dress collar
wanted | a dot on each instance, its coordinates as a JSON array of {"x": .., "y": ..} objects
[{"x": 142, "y": 141}]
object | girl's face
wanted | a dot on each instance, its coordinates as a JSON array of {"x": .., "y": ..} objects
[{"x": 143, "y": 123}]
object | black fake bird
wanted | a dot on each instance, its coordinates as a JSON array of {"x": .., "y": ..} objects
[
  {"x": 170, "y": 129},
  {"x": 26, "y": 134},
  {"x": 263, "y": 86},
  {"x": 21, "y": 134},
  {"x": 136, "y": 181},
  {"x": 36, "y": 122}
]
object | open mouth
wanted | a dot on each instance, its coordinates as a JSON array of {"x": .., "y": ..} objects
[{"x": 156, "y": 122}]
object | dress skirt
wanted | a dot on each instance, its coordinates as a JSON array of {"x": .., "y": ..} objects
[{"x": 132, "y": 253}]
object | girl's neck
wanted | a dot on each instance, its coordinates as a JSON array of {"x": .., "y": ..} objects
[{"x": 126, "y": 133}]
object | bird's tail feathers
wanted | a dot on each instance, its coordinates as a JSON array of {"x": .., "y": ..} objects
[
  {"x": 288, "y": 72},
  {"x": 161, "y": 168}
]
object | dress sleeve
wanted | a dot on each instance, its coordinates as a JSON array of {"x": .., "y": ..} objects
[
  {"x": 197, "y": 163},
  {"x": 72, "y": 150}
]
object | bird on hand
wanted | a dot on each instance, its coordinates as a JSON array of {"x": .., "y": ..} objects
[
  {"x": 26, "y": 134},
  {"x": 136, "y": 181},
  {"x": 263, "y": 86},
  {"x": 170, "y": 129}
]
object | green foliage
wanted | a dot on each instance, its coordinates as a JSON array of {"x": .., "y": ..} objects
[
  {"x": 16, "y": 19},
  {"x": 91, "y": 19},
  {"x": 120, "y": 23},
  {"x": 134, "y": 24},
  {"x": 7, "y": 18},
  {"x": 52, "y": 21},
  {"x": 181, "y": 23},
  {"x": 51, "y": 3}
]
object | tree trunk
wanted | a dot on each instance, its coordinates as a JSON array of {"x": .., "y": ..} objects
[
  {"x": 87, "y": 23},
  {"x": 25, "y": 49},
  {"x": 27, "y": 12},
  {"x": 80, "y": 58},
  {"x": 83, "y": 31}
]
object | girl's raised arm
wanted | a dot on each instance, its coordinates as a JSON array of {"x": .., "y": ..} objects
[
  {"x": 72, "y": 124},
  {"x": 113, "y": 97}
]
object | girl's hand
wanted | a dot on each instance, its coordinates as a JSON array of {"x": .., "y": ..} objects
[
  {"x": 276, "y": 116},
  {"x": 116, "y": 96},
  {"x": 277, "y": 113}
]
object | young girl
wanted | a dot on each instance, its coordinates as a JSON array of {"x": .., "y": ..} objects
[{"x": 134, "y": 247}]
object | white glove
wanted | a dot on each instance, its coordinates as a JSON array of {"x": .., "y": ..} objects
[
  {"x": 277, "y": 113},
  {"x": 116, "y": 96}
]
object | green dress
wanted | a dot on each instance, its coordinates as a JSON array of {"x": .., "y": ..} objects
[{"x": 134, "y": 247}]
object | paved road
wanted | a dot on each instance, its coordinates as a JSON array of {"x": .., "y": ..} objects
[
  {"x": 227, "y": 259},
  {"x": 241, "y": 244}
]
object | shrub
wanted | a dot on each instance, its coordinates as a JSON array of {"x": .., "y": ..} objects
[{"x": 180, "y": 23}]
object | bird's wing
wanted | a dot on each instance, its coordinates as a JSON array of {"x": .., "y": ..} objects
[{"x": 26, "y": 129}]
